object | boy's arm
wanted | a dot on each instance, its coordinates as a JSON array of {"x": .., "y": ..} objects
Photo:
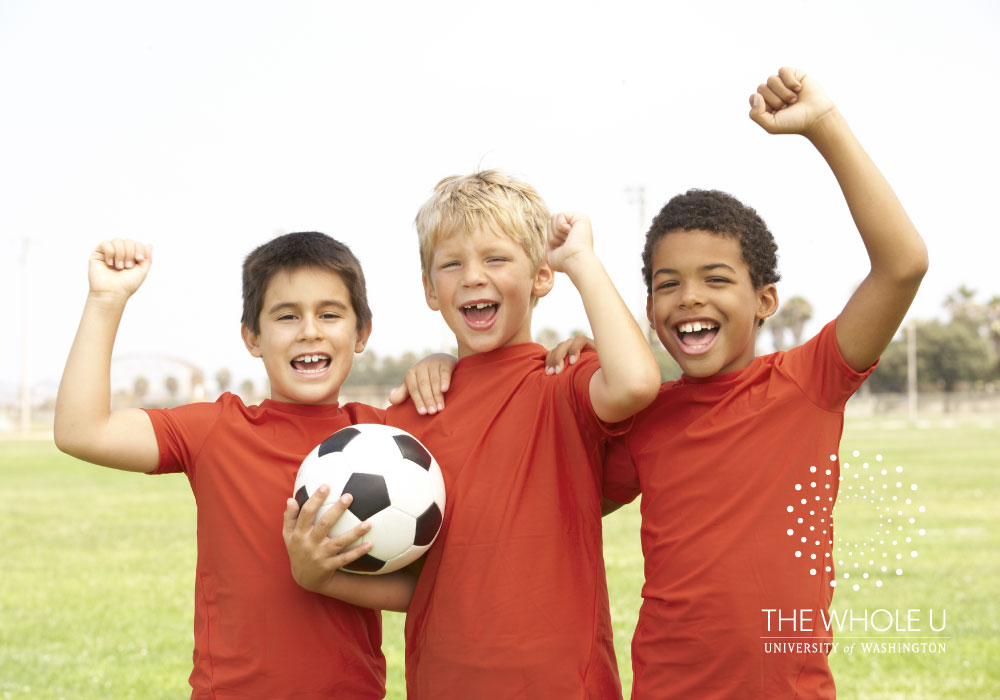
[
  {"x": 794, "y": 103},
  {"x": 316, "y": 558},
  {"x": 629, "y": 378},
  {"x": 85, "y": 426}
]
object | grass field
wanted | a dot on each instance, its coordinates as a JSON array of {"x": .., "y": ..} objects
[{"x": 98, "y": 566}]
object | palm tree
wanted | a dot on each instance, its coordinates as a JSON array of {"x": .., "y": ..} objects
[
  {"x": 794, "y": 314},
  {"x": 139, "y": 389}
]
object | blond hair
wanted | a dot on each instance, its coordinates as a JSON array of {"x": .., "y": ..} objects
[{"x": 487, "y": 200}]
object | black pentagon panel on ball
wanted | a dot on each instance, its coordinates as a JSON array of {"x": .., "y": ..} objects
[
  {"x": 301, "y": 496},
  {"x": 338, "y": 441},
  {"x": 365, "y": 564},
  {"x": 370, "y": 494},
  {"x": 427, "y": 525},
  {"x": 413, "y": 450}
]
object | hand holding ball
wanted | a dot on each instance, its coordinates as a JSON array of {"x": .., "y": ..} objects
[{"x": 396, "y": 485}]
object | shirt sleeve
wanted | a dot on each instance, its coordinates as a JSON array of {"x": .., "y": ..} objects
[
  {"x": 819, "y": 369},
  {"x": 181, "y": 433},
  {"x": 577, "y": 377},
  {"x": 621, "y": 479}
]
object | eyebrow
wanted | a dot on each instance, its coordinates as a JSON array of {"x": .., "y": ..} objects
[
  {"x": 703, "y": 268},
  {"x": 292, "y": 305}
]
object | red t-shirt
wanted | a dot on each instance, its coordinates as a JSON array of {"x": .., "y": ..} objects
[
  {"x": 720, "y": 462},
  {"x": 257, "y": 633},
  {"x": 512, "y": 601}
]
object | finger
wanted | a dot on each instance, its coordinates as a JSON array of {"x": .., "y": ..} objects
[
  {"x": 773, "y": 101},
  {"x": 118, "y": 253},
  {"x": 340, "y": 543},
  {"x": 307, "y": 513},
  {"x": 106, "y": 250},
  {"x": 759, "y": 113},
  {"x": 129, "y": 253},
  {"x": 445, "y": 373},
  {"x": 321, "y": 529},
  {"x": 791, "y": 77},
  {"x": 350, "y": 555},
  {"x": 399, "y": 395},
  {"x": 434, "y": 383},
  {"x": 428, "y": 388},
  {"x": 290, "y": 516},
  {"x": 578, "y": 344},
  {"x": 782, "y": 91},
  {"x": 413, "y": 387}
]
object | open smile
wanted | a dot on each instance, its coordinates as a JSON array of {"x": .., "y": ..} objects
[
  {"x": 311, "y": 364},
  {"x": 480, "y": 315},
  {"x": 696, "y": 337}
]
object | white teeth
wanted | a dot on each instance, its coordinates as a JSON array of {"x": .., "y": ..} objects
[
  {"x": 480, "y": 305},
  {"x": 310, "y": 358},
  {"x": 695, "y": 326}
]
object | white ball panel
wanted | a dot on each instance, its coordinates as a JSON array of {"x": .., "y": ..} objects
[
  {"x": 407, "y": 557},
  {"x": 409, "y": 487},
  {"x": 392, "y": 533}
]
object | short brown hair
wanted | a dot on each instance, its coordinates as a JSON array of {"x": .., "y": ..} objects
[
  {"x": 488, "y": 199},
  {"x": 294, "y": 251}
]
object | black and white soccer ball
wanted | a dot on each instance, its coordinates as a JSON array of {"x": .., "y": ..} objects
[{"x": 396, "y": 484}]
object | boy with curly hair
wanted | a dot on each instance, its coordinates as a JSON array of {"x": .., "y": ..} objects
[{"x": 739, "y": 451}]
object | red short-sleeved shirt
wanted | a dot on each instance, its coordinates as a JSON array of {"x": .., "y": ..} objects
[
  {"x": 512, "y": 601},
  {"x": 720, "y": 461},
  {"x": 257, "y": 633}
]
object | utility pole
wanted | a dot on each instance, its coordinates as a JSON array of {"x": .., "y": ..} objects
[
  {"x": 911, "y": 372},
  {"x": 25, "y": 390},
  {"x": 637, "y": 195}
]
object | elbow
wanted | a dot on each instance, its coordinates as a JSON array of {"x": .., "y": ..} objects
[
  {"x": 636, "y": 395},
  {"x": 911, "y": 267}
]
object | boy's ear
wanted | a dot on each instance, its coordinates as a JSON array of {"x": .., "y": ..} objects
[
  {"x": 430, "y": 295},
  {"x": 545, "y": 278},
  {"x": 767, "y": 301},
  {"x": 649, "y": 311},
  {"x": 251, "y": 340},
  {"x": 363, "y": 335}
]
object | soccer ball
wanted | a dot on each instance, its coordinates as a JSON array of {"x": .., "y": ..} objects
[{"x": 396, "y": 484}]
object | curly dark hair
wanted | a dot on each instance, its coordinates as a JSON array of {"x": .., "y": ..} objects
[{"x": 722, "y": 213}]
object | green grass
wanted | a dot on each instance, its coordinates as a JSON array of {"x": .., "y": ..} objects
[{"x": 98, "y": 572}]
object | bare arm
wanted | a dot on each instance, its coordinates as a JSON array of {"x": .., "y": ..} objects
[
  {"x": 792, "y": 102},
  {"x": 85, "y": 426},
  {"x": 629, "y": 378},
  {"x": 316, "y": 559}
]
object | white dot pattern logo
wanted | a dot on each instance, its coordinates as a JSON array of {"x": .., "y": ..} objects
[{"x": 881, "y": 490}]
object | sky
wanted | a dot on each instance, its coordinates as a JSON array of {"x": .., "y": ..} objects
[{"x": 208, "y": 128}]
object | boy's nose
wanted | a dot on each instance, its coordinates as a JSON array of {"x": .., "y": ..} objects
[
  {"x": 473, "y": 276},
  {"x": 309, "y": 328},
  {"x": 690, "y": 297}
]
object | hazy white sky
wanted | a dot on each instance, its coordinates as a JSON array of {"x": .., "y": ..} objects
[{"x": 208, "y": 128}]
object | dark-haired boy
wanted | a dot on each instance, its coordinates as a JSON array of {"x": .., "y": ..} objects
[
  {"x": 305, "y": 314},
  {"x": 512, "y": 599},
  {"x": 741, "y": 450}
]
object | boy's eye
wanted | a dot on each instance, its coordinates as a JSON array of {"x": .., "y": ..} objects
[
  {"x": 496, "y": 259},
  {"x": 329, "y": 315},
  {"x": 286, "y": 317},
  {"x": 450, "y": 263},
  {"x": 717, "y": 279},
  {"x": 665, "y": 285}
]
